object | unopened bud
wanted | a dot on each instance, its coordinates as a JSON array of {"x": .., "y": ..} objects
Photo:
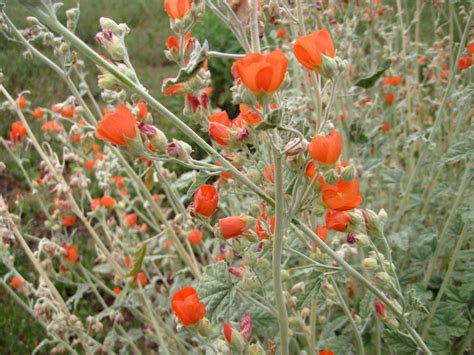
[
  {"x": 348, "y": 173},
  {"x": 331, "y": 176},
  {"x": 297, "y": 288},
  {"x": 369, "y": 264},
  {"x": 108, "y": 24}
]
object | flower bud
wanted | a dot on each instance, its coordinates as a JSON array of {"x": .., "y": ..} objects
[
  {"x": 369, "y": 264},
  {"x": 297, "y": 288},
  {"x": 179, "y": 150},
  {"x": 329, "y": 67},
  {"x": 331, "y": 176},
  {"x": 256, "y": 349},
  {"x": 205, "y": 327},
  {"x": 108, "y": 24},
  {"x": 348, "y": 173},
  {"x": 384, "y": 280}
]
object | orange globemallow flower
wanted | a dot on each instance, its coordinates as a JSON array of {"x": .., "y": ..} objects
[
  {"x": 38, "y": 113},
  {"x": 206, "y": 200},
  {"x": 177, "y": 9},
  {"x": 140, "y": 277},
  {"x": 142, "y": 110},
  {"x": 233, "y": 226},
  {"x": 16, "y": 282},
  {"x": 326, "y": 352},
  {"x": 385, "y": 127},
  {"x": 248, "y": 115},
  {"x": 195, "y": 237},
  {"x": 21, "y": 101},
  {"x": 392, "y": 80},
  {"x": 389, "y": 98},
  {"x": 187, "y": 307},
  {"x": 269, "y": 172},
  {"x": 69, "y": 220},
  {"x": 464, "y": 62},
  {"x": 308, "y": 49},
  {"x": 117, "y": 126},
  {"x": 326, "y": 149},
  {"x": 220, "y": 117},
  {"x": 262, "y": 73},
  {"x": 342, "y": 196},
  {"x": 131, "y": 219},
  {"x": 107, "y": 201},
  {"x": 18, "y": 131},
  {"x": 71, "y": 253},
  {"x": 337, "y": 220},
  {"x": 220, "y": 134}
]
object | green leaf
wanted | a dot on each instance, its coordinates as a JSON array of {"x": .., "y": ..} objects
[
  {"x": 138, "y": 256},
  {"x": 340, "y": 344},
  {"x": 398, "y": 341},
  {"x": 312, "y": 286},
  {"x": 215, "y": 290},
  {"x": 356, "y": 135},
  {"x": 370, "y": 81},
  {"x": 367, "y": 305},
  {"x": 460, "y": 150},
  {"x": 449, "y": 322}
]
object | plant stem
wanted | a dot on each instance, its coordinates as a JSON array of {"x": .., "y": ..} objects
[
  {"x": 254, "y": 36},
  {"x": 444, "y": 234},
  {"x": 446, "y": 280},
  {"x": 282, "y": 313},
  {"x": 346, "y": 310}
]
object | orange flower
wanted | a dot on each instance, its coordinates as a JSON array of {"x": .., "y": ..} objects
[
  {"x": 392, "y": 80},
  {"x": 337, "y": 220},
  {"x": 131, "y": 219},
  {"x": 68, "y": 112},
  {"x": 326, "y": 149},
  {"x": 107, "y": 201},
  {"x": 140, "y": 277},
  {"x": 89, "y": 165},
  {"x": 248, "y": 115},
  {"x": 269, "y": 172},
  {"x": 95, "y": 204},
  {"x": 117, "y": 126},
  {"x": 220, "y": 134},
  {"x": 311, "y": 170},
  {"x": 326, "y": 352},
  {"x": 116, "y": 291},
  {"x": 16, "y": 282},
  {"x": 470, "y": 48},
  {"x": 308, "y": 49},
  {"x": 195, "y": 237},
  {"x": 18, "y": 131},
  {"x": 21, "y": 101},
  {"x": 322, "y": 232},
  {"x": 69, "y": 220},
  {"x": 177, "y": 9},
  {"x": 233, "y": 226},
  {"x": 142, "y": 110},
  {"x": 38, "y": 113},
  {"x": 281, "y": 33},
  {"x": 71, "y": 253},
  {"x": 187, "y": 307},
  {"x": 389, "y": 98},
  {"x": 261, "y": 232},
  {"x": 206, "y": 200},
  {"x": 220, "y": 117},
  {"x": 118, "y": 180},
  {"x": 262, "y": 72},
  {"x": 342, "y": 196},
  {"x": 386, "y": 127},
  {"x": 464, "y": 62},
  {"x": 51, "y": 126}
]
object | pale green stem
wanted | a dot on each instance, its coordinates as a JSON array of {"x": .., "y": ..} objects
[
  {"x": 328, "y": 109},
  {"x": 225, "y": 55},
  {"x": 161, "y": 217},
  {"x": 282, "y": 314},
  {"x": 437, "y": 124},
  {"x": 254, "y": 37},
  {"x": 446, "y": 280},
  {"x": 151, "y": 315},
  {"x": 345, "y": 308},
  {"x": 43, "y": 274},
  {"x": 312, "y": 325},
  {"x": 444, "y": 234}
]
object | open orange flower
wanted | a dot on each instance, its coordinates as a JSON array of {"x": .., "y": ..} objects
[
  {"x": 342, "y": 196},
  {"x": 326, "y": 149},
  {"x": 262, "y": 72},
  {"x": 18, "y": 131},
  {"x": 69, "y": 220},
  {"x": 107, "y": 201},
  {"x": 308, "y": 49},
  {"x": 248, "y": 115},
  {"x": 337, "y": 220},
  {"x": 206, "y": 200},
  {"x": 220, "y": 117},
  {"x": 177, "y": 9},
  {"x": 117, "y": 126},
  {"x": 187, "y": 307},
  {"x": 464, "y": 62},
  {"x": 21, "y": 101},
  {"x": 38, "y": 113}
]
